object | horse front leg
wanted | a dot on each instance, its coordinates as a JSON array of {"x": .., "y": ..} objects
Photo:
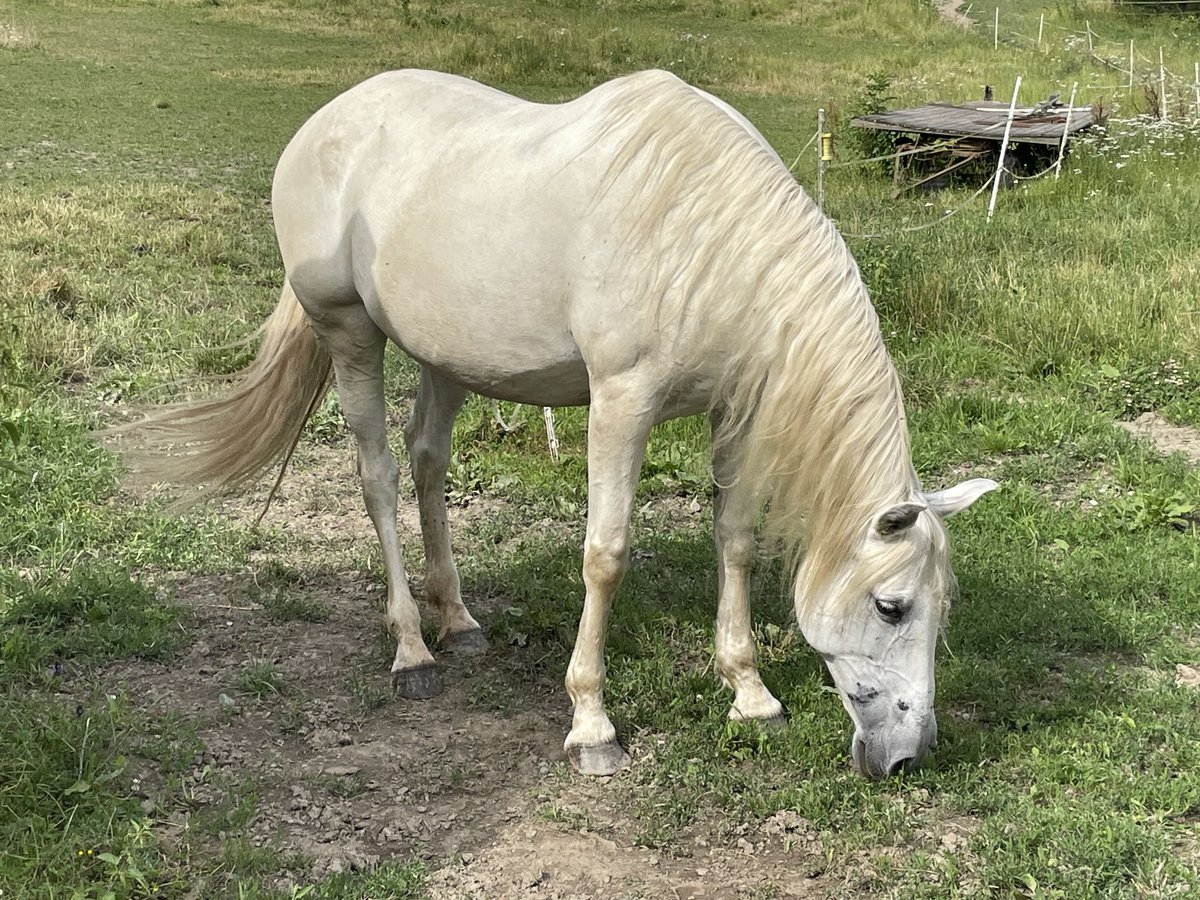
[
  {"x": 734, "y": 513},
  {"x": 619, "y": 422}
]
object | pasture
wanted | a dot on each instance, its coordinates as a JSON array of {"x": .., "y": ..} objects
[{"x": 198, "y": 705}]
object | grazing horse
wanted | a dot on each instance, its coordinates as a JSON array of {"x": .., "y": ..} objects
[{"x": 640, "y": 249}]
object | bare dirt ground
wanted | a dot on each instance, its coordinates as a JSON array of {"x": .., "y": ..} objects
[
  {"x": 474, "y": 782},
  {"x": 949, "y": 10},
  {"x": 1165, "y": 437}
]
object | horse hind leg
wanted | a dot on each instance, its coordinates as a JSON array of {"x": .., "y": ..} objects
[
  {"x": 356, "y": 345},
  {"x": 427, "y": 437}
]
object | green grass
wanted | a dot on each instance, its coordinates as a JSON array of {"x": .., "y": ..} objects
[
  {"x": 56, "y": 628},
  {"x": 260, "y": 679},
  {"x": 135, "y": 238}
]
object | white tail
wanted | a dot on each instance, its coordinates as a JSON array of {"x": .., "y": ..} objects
[{"x": 224, "y": 443}]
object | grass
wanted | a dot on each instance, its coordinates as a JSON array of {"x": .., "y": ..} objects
[
  {"x": 260, "y": 679},
  {"x": 135, "y": 237}
]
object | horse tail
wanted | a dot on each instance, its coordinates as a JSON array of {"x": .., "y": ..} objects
[{"x": 224, "y": 442}]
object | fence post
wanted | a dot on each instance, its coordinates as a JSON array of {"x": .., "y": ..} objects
[
  {"x": 821, "y": 159},
  {"x": 1088, "y": 25},
  {"x": 1131, "y": 64},
  {"x": 1041, "y": 25},
  {"x": 1196, "y": 85},
  {"x": 1162, "y": 85},
  {"x": 551, "y": 437},
  {"x": 1062, "y": 144},
  {"x": 996, "y": 31},
  {"x": 1012, "y": 109}
]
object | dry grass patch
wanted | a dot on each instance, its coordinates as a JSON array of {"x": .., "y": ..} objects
[{"x": 14, "y": 36}]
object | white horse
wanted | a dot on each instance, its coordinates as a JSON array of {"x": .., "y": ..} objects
[{"x": 640, "y": 249}]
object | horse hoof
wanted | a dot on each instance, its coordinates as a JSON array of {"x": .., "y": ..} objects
[
  {"x": 598, "y": 759},
  {"x": 469, "y": 643},
  {"x": 418, "y": 683}
]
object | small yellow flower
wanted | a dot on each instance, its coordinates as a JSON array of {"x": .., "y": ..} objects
[{"x": 79, "y": 853}]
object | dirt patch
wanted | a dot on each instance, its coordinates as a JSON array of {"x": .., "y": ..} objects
[
  {"x": 532, "y": 861},
  {"x": 1165, "y": 437},
  {"x": 951, "y": 12},
  {"x": 474, "y": 781}
]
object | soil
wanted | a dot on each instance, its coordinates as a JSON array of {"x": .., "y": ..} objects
[
  {"x": 474, "y": 782},
  {"x": 1165, "y": 437},
  {"x": 949, "y": 10}
]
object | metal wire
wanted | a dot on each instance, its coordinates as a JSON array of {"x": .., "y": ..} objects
[
  {"x": 922, "y": 227},
  {"x": 800, "y": 155}
]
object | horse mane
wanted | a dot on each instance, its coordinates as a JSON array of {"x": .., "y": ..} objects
[{"x": 809, "y": 397}]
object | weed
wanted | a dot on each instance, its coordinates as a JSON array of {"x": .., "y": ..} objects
[
  {"x": 292, "y": 716},
  {"x": 260, "y": 678},
  {"x": 232, "y": 814},
  {"x": 327, "y": 425},
  {"x": 345, "y": 786},
  {"x": 368, "y": 692},
  {"x": 18, "y": 37},
  {"x": 1148, "y": 508},
  {"x": 283, "y": 605},
  {"x": 874, "y": 97},
  {"x": 569, "y": 817},
  {"x": 394, "y": 880},
  {"x": 242, "y": 858},
  {"x": 1145, "y": 388}
]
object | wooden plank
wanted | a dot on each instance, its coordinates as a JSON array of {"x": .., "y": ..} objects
[{"x": 982, "y": 120}]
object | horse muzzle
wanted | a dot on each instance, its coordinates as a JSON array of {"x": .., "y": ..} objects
[{"x": 897, "y": 751}]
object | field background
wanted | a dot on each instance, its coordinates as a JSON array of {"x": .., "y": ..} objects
[{"x": 198, "y": 707}]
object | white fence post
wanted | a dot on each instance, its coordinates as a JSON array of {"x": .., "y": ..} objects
[
  {"x": 551, "y": 437},
  {"x": 1196, "y": 85},
  {"x": 1012, "y": 109},
  {"x": 1162, "y": 85},
  {"x": 821, "y": 159},
  {"x": 1062, "y": 144}
]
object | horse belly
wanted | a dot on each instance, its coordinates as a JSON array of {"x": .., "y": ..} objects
[{"x": 496, "y": 335}]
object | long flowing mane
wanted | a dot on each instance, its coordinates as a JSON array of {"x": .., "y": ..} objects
[{"x": 810, "y": 396}]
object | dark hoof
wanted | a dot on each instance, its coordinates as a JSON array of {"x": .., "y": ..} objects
[
  {"x": 418, "y": 683},
  {"x": 598, "y": 759},
  {"x": 469, "y": 643}
]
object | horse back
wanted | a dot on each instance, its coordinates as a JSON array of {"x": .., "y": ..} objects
[{"x": 455, "y": 211}]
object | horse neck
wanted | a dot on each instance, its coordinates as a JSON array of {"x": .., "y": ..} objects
[{"x": 816, "y": 401}]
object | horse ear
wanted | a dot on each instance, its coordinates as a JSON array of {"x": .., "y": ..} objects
[
  {"x": 956, "y": 499},
  {"x": 897, "y": 519}
]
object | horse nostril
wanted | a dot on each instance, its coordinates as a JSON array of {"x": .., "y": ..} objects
[{"x": 900, "y": 765}]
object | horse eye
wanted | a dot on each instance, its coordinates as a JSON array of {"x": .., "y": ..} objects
[{"x": 891, "y": 610}]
